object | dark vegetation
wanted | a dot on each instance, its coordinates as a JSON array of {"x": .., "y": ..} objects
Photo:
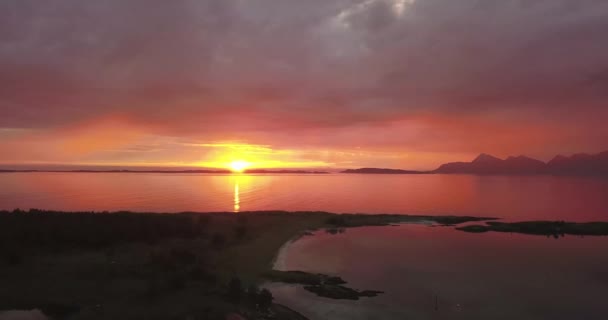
[
  {"x": 320, "y": 284},
  {"x": 136, "y": 265},
  {"x": 349, "y": 221},
  {"x": 260, "y": 300},
  {"x": 300, "y": 277},
  {"x": 157, "y": 266},
  {"x": 57, "y": 230},
  {"x": 340, "y": 292},
  {"x": 548, "y": 228}
]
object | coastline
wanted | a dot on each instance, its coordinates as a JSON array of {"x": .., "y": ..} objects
[
  {"x": 278, "y": 263},
  {"x": 155, "y": 259}
]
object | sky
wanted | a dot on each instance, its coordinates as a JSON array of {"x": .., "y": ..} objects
[{"x": 291, "y": 83}]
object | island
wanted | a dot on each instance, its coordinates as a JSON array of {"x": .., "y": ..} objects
[
  {"x": 275, "y": 171},
  {"x": 383, "y": 171},
  {"x": 199, "y": 171}
]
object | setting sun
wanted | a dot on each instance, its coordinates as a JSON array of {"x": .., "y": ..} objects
[{"x": 239, "y": 165}]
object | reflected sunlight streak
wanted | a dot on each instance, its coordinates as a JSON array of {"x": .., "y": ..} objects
[{"x": 237, "y": 199}]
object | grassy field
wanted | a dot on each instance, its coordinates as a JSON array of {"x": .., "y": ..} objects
[{"x": 126, "y": 265}]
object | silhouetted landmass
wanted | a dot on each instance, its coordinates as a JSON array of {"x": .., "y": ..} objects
[
  {"x": 340, "y": 292},
  {"x": 320, "y": 284},
  {"x": 485, "y": 164},
  {"x": 301, "y": 277},
  {"x": 578, "y": 164},
  {"x": 547, "y": 228},
  {"x": 269, "y": 171},
  {"x": 125, "y": 265},
  {"x": 218, "y": 171},
  {"x": 360, "y": 220},
  {"x": 383, "y": 171}
]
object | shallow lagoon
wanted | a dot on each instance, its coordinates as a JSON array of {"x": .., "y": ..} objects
[{"x": 441, "y": 273}]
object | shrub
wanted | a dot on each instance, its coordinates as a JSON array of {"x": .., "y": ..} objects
[
  {"x": 13, "y": 258},
  {"x": 218, "y": 240},
  {"x": 252, "y": 294},
  {"x": 240, "y": 232},
  {"x": 235, "y": 290},
  {"x": 184, "y": 256},
  {"x": 265, "y": 300}
]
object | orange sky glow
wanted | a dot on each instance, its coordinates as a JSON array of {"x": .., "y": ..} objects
[{"x": 309, "y": 84}]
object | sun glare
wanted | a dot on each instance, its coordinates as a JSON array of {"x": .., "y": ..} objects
[{"x": 239, "y": 165}]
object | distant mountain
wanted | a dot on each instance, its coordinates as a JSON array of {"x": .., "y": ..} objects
[
  {"x": 577, "y": 164},
  {"x": 383, "y": 171},
  {"x": 487, "y": 164}
]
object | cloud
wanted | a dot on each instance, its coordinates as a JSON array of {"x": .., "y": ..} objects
[{"x": 308, "y": 72}]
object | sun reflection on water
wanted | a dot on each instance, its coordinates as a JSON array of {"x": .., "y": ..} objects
[{"x": 237, "y": 198}]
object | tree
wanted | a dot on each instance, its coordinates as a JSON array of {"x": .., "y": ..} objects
[
  {"x": 265, "y": 299},
  {"x": 235, "y": 290},
  {"x": 240, "y": 232},
  {"x": 218, "y": 240},
  {"x": 252, "y": 294}
]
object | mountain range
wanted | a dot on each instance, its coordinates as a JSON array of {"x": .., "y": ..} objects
[{"x": 578, "y": 164}]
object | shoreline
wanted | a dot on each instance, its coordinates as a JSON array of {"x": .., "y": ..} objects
[
  {"x": 157, "y": 259},
  {"x": 278, "y": 263}
]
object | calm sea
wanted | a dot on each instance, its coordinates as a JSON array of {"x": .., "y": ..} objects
[
  {"x": 537, "y": 197},
  {"x": 426, "y": 272}
]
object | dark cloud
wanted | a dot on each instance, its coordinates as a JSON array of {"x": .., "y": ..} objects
[{"x": 232, "y": 65}]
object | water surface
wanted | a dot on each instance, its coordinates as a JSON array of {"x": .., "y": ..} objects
[
  {"x": 440, "y": 273},
  {"x": 527, "y": 197}
]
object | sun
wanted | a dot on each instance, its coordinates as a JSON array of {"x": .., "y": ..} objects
[{"x": 239, "y": 165}]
